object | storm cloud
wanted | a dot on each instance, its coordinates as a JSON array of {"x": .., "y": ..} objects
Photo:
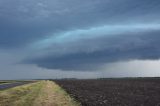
[
  {"x": 26, "y": 21},
  {"x": 99, "y": 51},
  {"x": 73, "y": 35}
]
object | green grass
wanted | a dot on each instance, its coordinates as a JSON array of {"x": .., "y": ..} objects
[
  {"x": 29, "y": 98},
  {"x": 6, "y": 82},
  {"x": 20, "y": 96},
  {"x": 42, "y": 93}
]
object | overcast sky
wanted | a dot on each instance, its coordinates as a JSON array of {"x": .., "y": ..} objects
[{"x": 82, "y": 39}]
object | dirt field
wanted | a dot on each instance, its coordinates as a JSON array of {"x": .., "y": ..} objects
[{"x": 114, "y": 92}]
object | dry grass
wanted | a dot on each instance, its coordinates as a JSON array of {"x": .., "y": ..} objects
[
  {"x": 52, "y": 95},
  {"x": 43, "y": 93},
  {"x": 20, "y": 96}
]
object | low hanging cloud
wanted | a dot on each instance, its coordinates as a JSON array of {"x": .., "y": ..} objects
[
  {"x": 99, "y": 51},
  {"x": 80, "y": 35}
]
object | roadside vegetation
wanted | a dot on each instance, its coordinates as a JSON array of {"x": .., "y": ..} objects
[
  {"x": 6, "y": 82},
  {"x": 42, "y": 93}
]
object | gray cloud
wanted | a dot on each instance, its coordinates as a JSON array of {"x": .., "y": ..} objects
[
  {"x": 76, "y": 35},
  {"x": 23, "y": 22},
  {"x": 115, "y": 48}
]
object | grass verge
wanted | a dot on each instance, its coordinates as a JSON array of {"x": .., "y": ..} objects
[
  {"x": 20, "y": 96},
  {"x": 42, "y": 93}
]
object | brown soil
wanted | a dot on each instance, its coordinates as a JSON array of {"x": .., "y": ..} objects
[{"x": 114, "y": 92}]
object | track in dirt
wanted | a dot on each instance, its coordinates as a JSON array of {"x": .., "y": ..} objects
[{"x": 114, "y": 92}]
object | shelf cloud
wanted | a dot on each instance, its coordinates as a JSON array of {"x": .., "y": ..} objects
[{"x": 73, "y": 35}]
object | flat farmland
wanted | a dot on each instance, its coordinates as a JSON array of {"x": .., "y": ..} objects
[{"x": 114, "y": 92}]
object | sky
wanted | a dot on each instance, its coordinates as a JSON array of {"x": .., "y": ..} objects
[{"x": 79, "y": 39}]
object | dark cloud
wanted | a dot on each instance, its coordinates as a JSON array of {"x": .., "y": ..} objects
[
  {"x": 23, "y": 22},
  {"x": 142, "y": 46},
  {"x": 69, "y": 34}
]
